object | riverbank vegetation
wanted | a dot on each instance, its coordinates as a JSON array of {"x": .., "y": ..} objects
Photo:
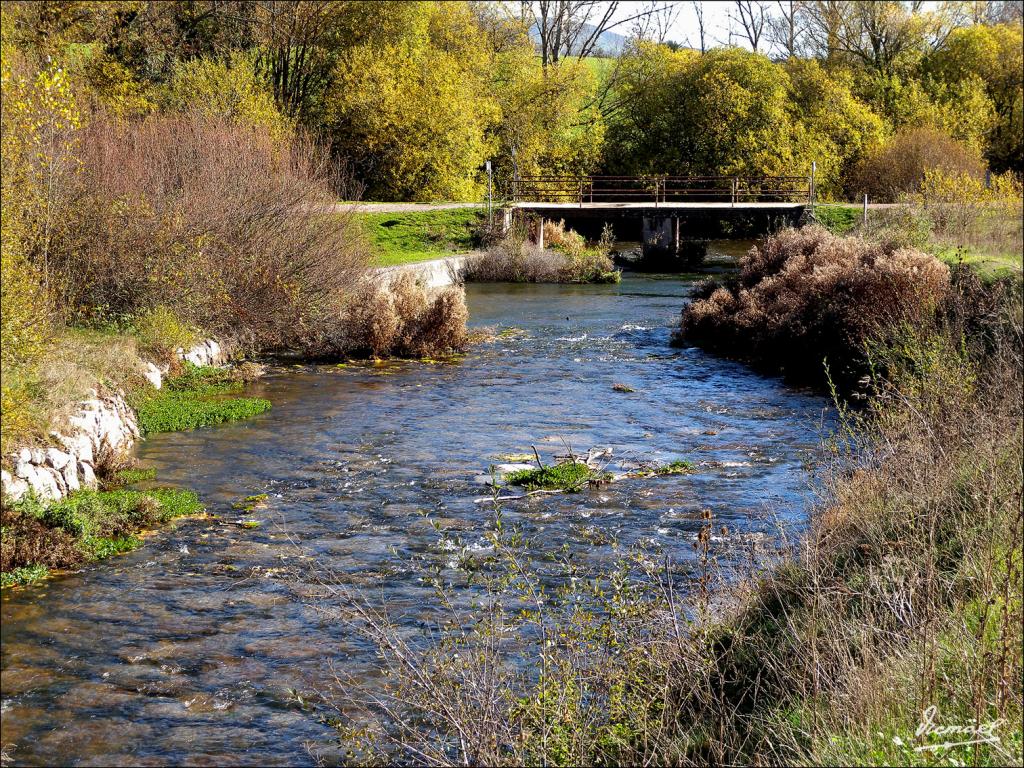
[
  {"x": 955, "y": 216},
  {"x": 806, "y": 303},
  {"x": 567, "y": 258},
  {"x": 84, "y": 527},
  {"x": 396, "y": 317}
]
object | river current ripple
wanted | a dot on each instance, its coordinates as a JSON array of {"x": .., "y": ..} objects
[{"x": 186, "y": 650}]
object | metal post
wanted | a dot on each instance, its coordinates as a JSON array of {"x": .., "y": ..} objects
[
  {"x": 810, "y": 193},
  {"x": 490, "y": 210},
  {"x": 734, "y": 190},
  {"x": 865, "y": 210}
]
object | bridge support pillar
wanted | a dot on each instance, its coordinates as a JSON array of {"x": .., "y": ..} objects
[
  {"x": 540, "y": 233},
  {"x": 506, "y": 220},
  {"x": 660, "y": 236}
]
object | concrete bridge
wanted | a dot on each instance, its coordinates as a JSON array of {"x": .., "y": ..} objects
[{"x": 663, "y": 211}]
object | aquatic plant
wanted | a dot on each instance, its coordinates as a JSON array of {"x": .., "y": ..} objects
[
  {"x": 24, "y": 576},
  {"x": 568, "y": 476},
  {"x": 197, "y": 398}
]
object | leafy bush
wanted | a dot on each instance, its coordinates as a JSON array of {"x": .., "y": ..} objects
[
  {"x": 228, "y": 90},
  {"x": 161, "y": 333},
  {"x": 85, "y": 526},
  {"x": 25, "y": 332},
  {"x": 224, "y": 225},
  {"x": 966, "y": 211},
  {"x": 806, "y": 303}
]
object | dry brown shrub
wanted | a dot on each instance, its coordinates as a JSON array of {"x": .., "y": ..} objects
[
  {"x": 397, "y": 317},
  {"x": 221, "y": 223},
  {"x": 807, "y": 298},
  {"x": 514, "y": 260},
  {"x": 899, "y": 166},
  {"x": 26, "y": 540}
]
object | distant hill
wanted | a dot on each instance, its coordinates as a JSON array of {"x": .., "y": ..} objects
[{"x": 608, "y": 43}]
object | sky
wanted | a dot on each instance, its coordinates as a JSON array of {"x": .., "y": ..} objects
[{"x": 684, "y": 29}]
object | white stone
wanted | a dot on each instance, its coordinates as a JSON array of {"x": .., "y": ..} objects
[
  {"x": 58, "y": 459},
  {"x": 153, "y": 375},
  {"x": 70, "y": 473},
  {"x": 43, "y": 483},
  {"x": 88, "y": 476},
  {"x": 78, "y": 445},
  {"x": 208, "y": 352},
  {"x": 25, "y": 455},
  {"x": 12, "y": 487},
  {"x": 23, "y": 468}
]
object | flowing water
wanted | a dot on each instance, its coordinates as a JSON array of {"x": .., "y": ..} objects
[{"x": 187, "y": 650}]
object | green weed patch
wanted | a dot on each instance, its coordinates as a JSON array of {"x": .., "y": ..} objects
[
  {"x": 569, "y": 476},
  {"x": 198, "y": 398}
]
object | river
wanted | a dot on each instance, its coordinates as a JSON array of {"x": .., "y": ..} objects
[{"x": 186, "y": 650}]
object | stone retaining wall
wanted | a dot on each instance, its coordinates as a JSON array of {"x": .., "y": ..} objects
[{"x": 101, "y": 425}]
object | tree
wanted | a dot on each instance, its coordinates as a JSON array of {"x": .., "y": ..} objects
[
  {"x": 786, "y": 30},
  {"x": 992, "y": 56},
  {"x": 721, "y": 113},
  {"x": 411, "y": 107},
  {"x": 830, "y": 125},
  {"x": 753, "y": 16},
  {"x": 574, "y": 27},
  {"x": 225, "y": 89}
]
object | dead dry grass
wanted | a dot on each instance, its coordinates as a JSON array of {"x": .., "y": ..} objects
[{"x": 396, "y": 317}]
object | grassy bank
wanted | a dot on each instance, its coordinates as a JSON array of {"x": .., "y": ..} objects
[
  {"x": 958, "y": 219},
  {"x": 86, "y": 527},
  {"x": 404, "y": 238},
  {"x": 37, "y": 538}
]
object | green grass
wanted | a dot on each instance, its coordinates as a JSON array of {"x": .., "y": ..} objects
[
  {"x": 109, "y": 514},
  {"x": 84, "y": 527},
  {"x": 568, "y": 476},
  {"x": 838, "y": 219},
  {"x": 989, "y": 266},
  {"x": 135, "y": 475},
  {"x": 24, "y": 576},
  {"x": 198, "y": 398},
  {"x": 404, "y": 238}
]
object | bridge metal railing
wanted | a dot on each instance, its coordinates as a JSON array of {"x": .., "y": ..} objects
[{"x": 661, "y": 189}]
